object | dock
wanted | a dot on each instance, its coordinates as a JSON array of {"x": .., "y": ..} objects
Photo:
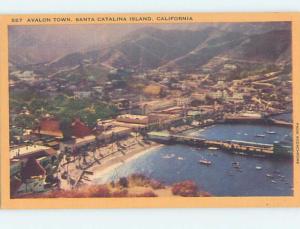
[{"x": 228, "y": 145}]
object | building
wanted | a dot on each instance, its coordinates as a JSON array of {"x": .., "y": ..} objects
[
  {"x": 116, "y": 132},
  {"x": 32, "y": 178},
  {"x": 35, "y": 151},
  {"x": 79, "y": 129},
  {"x": 134, "y": 119},
  {"x": 156, "y": 105},
  {"x": 73, "y": 144},
  {"x": 153, "y": 90},
  {"x": 29, "y": 166},
  {"x": 49, "y": 127}
]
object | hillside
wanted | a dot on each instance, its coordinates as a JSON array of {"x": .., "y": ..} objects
[{"x": 187, "y": 48}]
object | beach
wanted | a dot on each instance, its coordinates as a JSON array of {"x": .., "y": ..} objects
[{"x": 102, "y": 161}]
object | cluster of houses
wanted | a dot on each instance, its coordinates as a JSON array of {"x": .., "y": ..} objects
[{"x": 34, "y": 163}]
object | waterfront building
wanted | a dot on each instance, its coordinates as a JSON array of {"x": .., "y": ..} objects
[
  {"x": 135, "y": 119},
  {"x": 72, "y": 144}
]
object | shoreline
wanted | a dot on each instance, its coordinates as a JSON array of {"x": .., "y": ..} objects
[{"x": 101, "y": 170}]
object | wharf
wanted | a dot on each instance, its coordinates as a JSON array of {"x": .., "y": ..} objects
[{"x": 230, "y": 145}]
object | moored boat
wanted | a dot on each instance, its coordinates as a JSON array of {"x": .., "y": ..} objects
[
  {"x": 205, "y": 162},
  {"x": 168, "y": 156},
  {"x": 260, "y": 135}
]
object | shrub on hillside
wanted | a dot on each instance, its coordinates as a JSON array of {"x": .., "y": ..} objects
[
  {"x": 123, "y": 182},
  {"x": 121, "y": 193},
  {"x": 156, "y": 184},
  {"x": 186, "y": 188},
  {"x": 146, "y": 194}
]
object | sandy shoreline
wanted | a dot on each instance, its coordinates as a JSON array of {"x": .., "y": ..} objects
[{"x": 113, "y": 163}]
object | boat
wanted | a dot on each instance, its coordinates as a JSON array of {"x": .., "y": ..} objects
[
  {"x": 258, "y": 167},
  {"x": 245, "y": 134},
  {"x": 236, "y": 165},
  {"x": 205, "y": 162},
  {"x": 213, "y": 148},
  {"x": 269, "y": 175},
  {"x": 180, "y": 158},
  {"x": 168, "y": 156},
  {"x": 240, "y": 153},
  {"x": 270, "y": 132},
  {"x": 260, "y": 135},
  {"x": 273, "y": 181}
]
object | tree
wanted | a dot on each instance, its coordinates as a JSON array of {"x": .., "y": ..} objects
[{"x": 66, "y": 129}]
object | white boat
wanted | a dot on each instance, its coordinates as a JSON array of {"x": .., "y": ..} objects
[
  {"x": 258, "y": 167},
  {"x": 213, "y": 148},
  {"x": 205, "y": 162},
  {"x": 236, "y": 165},
  {"x": 269, "y": 175},
  {"x": 240, "y": 153},
  {"x": 273, "y": 181},
  {"x": 270, "y": 132},
  {"x": 168, "y": 156},
  {"x": 245, "y": 134},
  {"x": 180, "y": 158},
  {"x": 260, "y": 135}
]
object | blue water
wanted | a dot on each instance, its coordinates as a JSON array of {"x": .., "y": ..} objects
[
  {"x": 244, "y": 132},
  {"x": 285, "y": 117},
  {"x": 220, "y": 179}
]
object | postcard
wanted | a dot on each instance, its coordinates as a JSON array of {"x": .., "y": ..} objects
[{"x": 150, "y": 110}]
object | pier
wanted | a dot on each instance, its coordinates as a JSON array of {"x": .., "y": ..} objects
[{"x": 228, "y": 145}]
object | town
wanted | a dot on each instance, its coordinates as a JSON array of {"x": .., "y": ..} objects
[{"x": 52, "y": 147}]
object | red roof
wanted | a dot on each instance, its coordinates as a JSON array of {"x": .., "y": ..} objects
[
  {"x": 49, "y": 126},
  {"x": 32, "y": 168},
  {"x": 80, "y": 130}
]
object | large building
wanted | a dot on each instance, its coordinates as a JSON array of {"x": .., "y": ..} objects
[
  {"x": 50, "y": 127},
  {"x": 135, "y": 119}
]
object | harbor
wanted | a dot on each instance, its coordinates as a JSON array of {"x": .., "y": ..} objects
[{"x": 215, "y": 169}]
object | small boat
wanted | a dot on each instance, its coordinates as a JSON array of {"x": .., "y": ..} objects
[
  {"x": 180, "y": 158},
  {"x": 281, "y": 176},
  {"x": 213, "y": 148},
  {"x": 236, "y": 165},
  {"x": 269, "y": 175},
  {"x": 245, "y": 134},
  {"x": 240, "y": 153},
  {"x": 168, "y": 156},
  {"x": 204, "y": 162},
  {"x": 258, "y": 167},
  {"x": 270, "y": 132},
  {"x": 260, "y": 135},
  {"x": 273, "y": 181}
]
